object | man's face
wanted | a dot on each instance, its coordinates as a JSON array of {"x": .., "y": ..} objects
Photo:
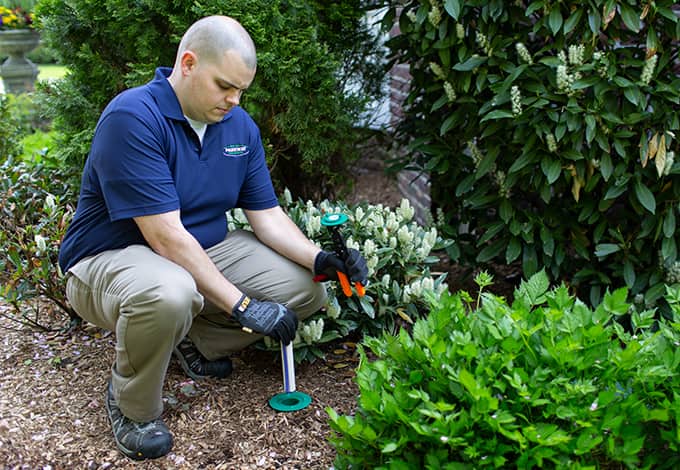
[{"x": 216, "y": 87}]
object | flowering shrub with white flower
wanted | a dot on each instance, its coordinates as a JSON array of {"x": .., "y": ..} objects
[
  {"x": 398, "y": 253},
  {"x": 550, "y": 131}
]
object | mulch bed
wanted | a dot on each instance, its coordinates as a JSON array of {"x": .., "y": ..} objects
[{"x": 52, "y": 411}]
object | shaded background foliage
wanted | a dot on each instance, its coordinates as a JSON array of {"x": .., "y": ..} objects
[
  {"x": 549, "y": 130},
  {"x": 300, "y": 97}
]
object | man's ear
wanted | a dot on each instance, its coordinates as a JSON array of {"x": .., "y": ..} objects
[{"x": 188, "y": 62}]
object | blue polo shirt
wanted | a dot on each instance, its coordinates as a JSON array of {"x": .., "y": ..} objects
[{"x": 146, "y": 159}]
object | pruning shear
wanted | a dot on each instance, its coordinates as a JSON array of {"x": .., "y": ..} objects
[{"x": 333, "y": 222}]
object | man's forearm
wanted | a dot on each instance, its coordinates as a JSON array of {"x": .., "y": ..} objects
[
  {"x": 168, "y": 237},
  {"x": 275, "y": 229},
  {"x": 210, "y": 282}
]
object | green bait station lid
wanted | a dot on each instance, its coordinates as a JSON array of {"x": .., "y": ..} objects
[
  {"x": 290, "y": 401},
  {"x": 331, "y": 220}
]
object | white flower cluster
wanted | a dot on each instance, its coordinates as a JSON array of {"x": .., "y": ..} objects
[
  {"x": 648, "y": 69},
  {"x": 551, "y": 142},
  {"x": 516, "y": 100},
  {"x": 435, "y": 15},
  {"x": 501, "y": 181},
  {"x": 311, "y": 331},
  {"x": 411, "y": 15},
  {"x": 601, "y": 63},
  {"x": 483, "y": 42},
  {"x": 475, "y": 153},
  {"x": 40, "y": 244},
  {"x": 524, "y": 53},
  {"x": 437, "y": 70},
  {"x": 405, "y": 211},
  {"x": 237, "y": 219},
  {"x": 333, "y": 308},
  {"x": 460, "y": 31},
  {"x": 576, "y": 54},
  {"x": 673, "y": 273},
  {"x": 287, "y": 197},
  {"x": 450, "y": 92},
  {"x": 565, "y": 80},
  {"x": 419, "y": 288},
  {"x": 565, "y": 76},
  {"x": 50, "y": 204}
]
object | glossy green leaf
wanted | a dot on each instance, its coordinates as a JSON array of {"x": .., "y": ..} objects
[
  {"x": 669, "y": 223},
  {"x": 669, "y": 249},
  {"x": 630, "y": 17},
  {"x": 497, "y": 114},
  {"x": 605, "y": 249},
  {"x": 606, "y": 166},
  {"x": 573, "y": 20},
  {"x": 491, "y": 251},
  {"x": 470, "y": 64},
  {"x": 645, "y": 196},
  {"x": 453, "y": 8},
  {"x": 513, "y": 250},
  {"x": 629, "y": 273},
  {"x": 552, "y": 169},
  {"x": 555, "y": 19},
  {"x": 594, "y": 21}
]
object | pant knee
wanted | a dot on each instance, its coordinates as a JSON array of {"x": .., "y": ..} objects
[
  {"x": 170, "y": 307},
  {"x": 308, "y": 301}
]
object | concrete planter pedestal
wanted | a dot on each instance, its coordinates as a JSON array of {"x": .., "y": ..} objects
[{"x": 17, "y": 72}]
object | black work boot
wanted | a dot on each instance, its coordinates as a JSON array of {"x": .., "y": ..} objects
[
  {"x": 139, "y": 441},
  {"x": 196, "y": 366}
]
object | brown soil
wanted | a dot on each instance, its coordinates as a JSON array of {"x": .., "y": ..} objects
[{"x": 52, "y": 386}]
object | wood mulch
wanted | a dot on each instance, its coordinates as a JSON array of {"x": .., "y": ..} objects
[{"x": 52, "y": 411}]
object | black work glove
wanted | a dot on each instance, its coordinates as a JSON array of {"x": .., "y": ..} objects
[
  {"x": 354, "y": 267},
  {"x": 268, "y": 318}
]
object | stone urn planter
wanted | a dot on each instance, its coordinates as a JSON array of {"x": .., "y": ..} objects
[{"x": 17, "y": 72}]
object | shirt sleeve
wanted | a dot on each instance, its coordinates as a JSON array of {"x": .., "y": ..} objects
[
  {"x": 257, "y": 192},
  {"x": 132, "y": 168}
]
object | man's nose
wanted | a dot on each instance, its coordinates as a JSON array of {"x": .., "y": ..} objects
[{"x": 233, "y": 97}]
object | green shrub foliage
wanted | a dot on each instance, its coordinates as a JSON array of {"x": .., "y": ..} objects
[
  {"x": 298, "y": 97},
  {"x": 399, "y": 255},
  {"x": 9, "y": 140},
  {"x": 34, "y": 215},
  {"x": 550, "y": 131},
  {"x": 546, "y": 382}
]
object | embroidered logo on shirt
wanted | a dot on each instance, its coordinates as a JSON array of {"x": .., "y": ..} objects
[{"x": 236, "y": 150}]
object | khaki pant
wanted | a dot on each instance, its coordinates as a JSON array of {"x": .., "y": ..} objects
[{"x": 151, "y": 303}]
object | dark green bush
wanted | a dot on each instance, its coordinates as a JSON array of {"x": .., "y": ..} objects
[
  {"x": 9, "y": 138},
  {"x": 549, "y": 129},
  {"x": 546, "y": 382},
  {"x": 298, "y": 99}
]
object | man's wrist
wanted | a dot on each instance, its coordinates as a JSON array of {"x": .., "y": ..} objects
[{"x": 241, "y": 305}]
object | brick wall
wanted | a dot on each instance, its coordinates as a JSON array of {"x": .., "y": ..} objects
[{"x": 415, "y": 186}]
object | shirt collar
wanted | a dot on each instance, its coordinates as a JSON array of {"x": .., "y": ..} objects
[{"x": 165, "y": 95}]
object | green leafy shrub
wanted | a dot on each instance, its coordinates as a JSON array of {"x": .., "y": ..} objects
[
  {"x": 9, "y": 138},
  {"x": 298, "y": 98},
  {"x": 34, "y": 215},
  {"x": 399, "y": 256},
  {"x": 554, "y": 126},
  {"x": 546, "y": 382}
]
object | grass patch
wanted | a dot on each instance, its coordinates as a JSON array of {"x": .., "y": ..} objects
[{"x": 50, "y": 71}]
